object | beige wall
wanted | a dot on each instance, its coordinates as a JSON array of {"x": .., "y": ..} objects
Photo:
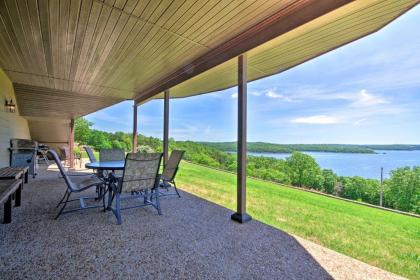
[
  {"x": 11, "y": 124},
  {"x": 54, "y": 133}
]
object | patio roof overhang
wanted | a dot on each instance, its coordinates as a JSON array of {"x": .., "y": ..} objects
[
  {"x": 312, "y": 39},
  {"x": 103, "y": 52}
]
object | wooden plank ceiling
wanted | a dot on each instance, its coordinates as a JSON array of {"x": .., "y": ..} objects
[
  {"x": 114, "y": 48},
  {"x": 68, "y": 58},
  {"x": 339, "y": 27}
]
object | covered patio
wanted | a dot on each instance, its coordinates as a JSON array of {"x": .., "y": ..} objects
[
  {"x": 193, "y": 239},
  {"x": 66, "y": 59},
  {"x": 60, "y": 60}
]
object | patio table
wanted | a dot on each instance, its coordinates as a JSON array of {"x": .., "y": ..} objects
[
  {"x": 106, "y": 165},
  {"x": 101, "y": 166}
]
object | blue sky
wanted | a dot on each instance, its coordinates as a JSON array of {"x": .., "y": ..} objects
[{"x": 363, "y": 93}]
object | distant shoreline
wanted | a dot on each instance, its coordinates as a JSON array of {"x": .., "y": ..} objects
[{"x": 262, "y": 147}]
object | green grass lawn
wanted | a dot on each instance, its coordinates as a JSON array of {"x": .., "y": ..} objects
[{"x": 387, "y": 240}]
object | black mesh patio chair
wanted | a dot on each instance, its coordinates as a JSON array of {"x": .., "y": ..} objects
[
  {"x": 140, "y": 181},
  {"x": 90, "y": 154},
  {"x": 90, "y": 182},
  {"x": 112, "y": 155},
  {"x": 169, "y": 172},
  {"x": 97, "y": 173}
]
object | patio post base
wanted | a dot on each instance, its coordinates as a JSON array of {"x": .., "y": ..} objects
[{"x": 241, "y": 217}]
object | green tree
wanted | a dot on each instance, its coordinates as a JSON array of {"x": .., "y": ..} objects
[
  {"x": 82, "y": 130},
  {"x": 361, "y": 189},
  {"x": 144, "y": 149},
  {"x": 99, "y": 140},
  {"x": 402, "y": 190},
  {"x": 329, "y": 182},
  {"x": 303, "y": 170}
]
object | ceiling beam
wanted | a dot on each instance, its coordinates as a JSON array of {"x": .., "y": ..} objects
[{"x": 285, "y": 20}]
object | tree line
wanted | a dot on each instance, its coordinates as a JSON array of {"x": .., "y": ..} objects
[
  {"x": 401, "y": 190},
  {"x": 263, "y": 147}
]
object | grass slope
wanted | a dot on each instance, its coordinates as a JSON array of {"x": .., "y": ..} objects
[{"x": 383, "y": 239}]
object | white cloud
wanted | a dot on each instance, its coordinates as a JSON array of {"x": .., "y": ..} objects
[
  {"x": 273, "y": 94},
  {"x": 364, "y": 98},
  {"x": 359, "y": 122},
  {"x": 234, "y": 95},
  {"x": 318, "y": 119}
]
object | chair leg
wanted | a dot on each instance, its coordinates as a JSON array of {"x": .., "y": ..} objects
[
  {"x": 99, "y": 191},
  {"x": 64, "y": 206},
  {"x": 157, "y": 201},
  {"x": 117, "y": 211},
  {"x": 176, "y": 190},
  {"x": 111, "y": 196},
  {"x": 103, "y": 198},
  {"x": 62, "y": 199}
]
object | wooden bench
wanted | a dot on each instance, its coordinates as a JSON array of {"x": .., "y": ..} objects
[
  {"x": 9, "y": 173},
  {"x": 8, "y": 188}
]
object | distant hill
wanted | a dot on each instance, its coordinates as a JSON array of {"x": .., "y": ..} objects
[
  {"x": 263, "y": 147},
  {"x": 396, "y": 147}
]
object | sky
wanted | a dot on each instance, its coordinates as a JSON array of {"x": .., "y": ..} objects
[{"x": 367, "y": 92}]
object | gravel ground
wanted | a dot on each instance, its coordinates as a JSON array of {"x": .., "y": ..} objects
[{"x": 193, "y": 239}]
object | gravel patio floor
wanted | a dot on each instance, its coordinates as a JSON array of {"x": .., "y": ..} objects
[{"x": 193, "y": 239}]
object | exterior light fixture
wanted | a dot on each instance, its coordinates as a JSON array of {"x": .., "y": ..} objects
[{"x": 9, "y": 106}]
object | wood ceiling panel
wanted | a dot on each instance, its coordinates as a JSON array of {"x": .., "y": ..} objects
[
  {"x": 238, "y": 20},
  {"x": 130, "y": 5},
  {"x": 43, "y": 81},
  {"x": 85, "y": 9},
  {"x": 90, "y": 46},
  {"x": 9, "y": 53},
  {"x": 111, "y": 33},
  {"x": 344, "y": 29},
  {"x": 14, "y": 34},
  {"x": 45, "y": 102},
  {"x": 120, "y": 48},
  {"x": 300, "y": 45}
]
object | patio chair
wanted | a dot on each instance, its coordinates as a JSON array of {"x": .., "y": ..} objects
[
  {"x": 90, "y": 154},
  {"x": 91, "y": 182},
  {"x": 97, "y": 173},
  {"x": 111, "y": 154},
  {"x": 140, "y": 176},
  {"x": 65, "y": 156},
  {"x": 169, "y": 172}
]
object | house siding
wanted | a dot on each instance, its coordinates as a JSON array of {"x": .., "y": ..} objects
[{"x": 12, "y": 125}]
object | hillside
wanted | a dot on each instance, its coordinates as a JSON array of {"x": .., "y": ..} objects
[{"x": 380, "y": 238}]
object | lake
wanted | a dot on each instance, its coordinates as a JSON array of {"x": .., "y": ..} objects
[{"x": 364, "y": 165}]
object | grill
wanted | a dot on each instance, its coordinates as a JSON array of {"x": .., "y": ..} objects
[{"x": 23, "y": 153}]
